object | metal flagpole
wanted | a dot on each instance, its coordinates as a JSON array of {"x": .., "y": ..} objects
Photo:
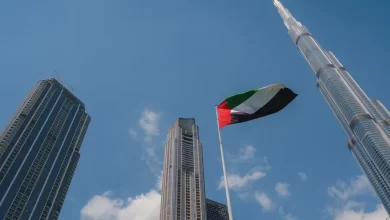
[{"x": 224, "y": 170}]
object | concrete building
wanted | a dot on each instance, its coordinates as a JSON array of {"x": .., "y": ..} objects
[{"x": 183, "y": 192}]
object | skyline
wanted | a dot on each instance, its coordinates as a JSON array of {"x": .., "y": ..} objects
[{"x": 125, "y": 61}]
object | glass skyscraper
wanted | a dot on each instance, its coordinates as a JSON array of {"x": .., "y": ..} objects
[
  {"x": 183, "y": 191},
  {"x": 366, "y": 121},
  {"x": 39, "y": 152},
  {"x": 216, "y": 210}
]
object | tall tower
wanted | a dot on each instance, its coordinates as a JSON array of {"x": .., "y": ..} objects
[
  {"x": 183, "y": 192},
  {"x": 39, "y": 151},
  {"x": 365, "y": 121}
]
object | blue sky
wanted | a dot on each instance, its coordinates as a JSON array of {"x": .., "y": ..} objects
[{"x": 138, "y": 65}]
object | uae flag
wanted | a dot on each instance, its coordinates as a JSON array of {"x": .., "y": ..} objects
[{"x": 254, "y": 104}]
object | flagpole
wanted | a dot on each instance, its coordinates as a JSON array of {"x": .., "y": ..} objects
[{"x": 224, "y": 169}]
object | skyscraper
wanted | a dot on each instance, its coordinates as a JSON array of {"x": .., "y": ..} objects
[
  {"x": 366, "y": 121},
  {"x": 183, "y": 192},
  {"x": 216, "y": 210},
  {"x": 39, "y": 152}
]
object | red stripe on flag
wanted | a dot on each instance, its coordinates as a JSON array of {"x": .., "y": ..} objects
[{"x": 224, "y": 117}]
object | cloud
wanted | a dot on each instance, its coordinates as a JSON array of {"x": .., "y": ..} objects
[
  {"x": 145, "y": 206},
  {"x": 289, "y": 217},
  {"x": 245, "y": 195},
  {"x": 245, "y": 154},
  {"x": 282, "y": 189},
  {"x": 133, "y": 133},
  {"x": 237, "y": 182},
  {"x": 357, "y": 213},
  {"x": 303, "y": 176},
  {"x": 286, "y": 216},
  {"x": 150, "y": 152},
  {"x": 142, "y": 207},
  {"x": 159, "y": 182},
  {"x": 264, "y": 201},
  {"x": 358, "y": 186},
  {"x": 346, "y": 194},
  {"x": 149, "y": 122}
]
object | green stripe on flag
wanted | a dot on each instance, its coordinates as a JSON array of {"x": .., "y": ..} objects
[{"x": 235, "y": 100}]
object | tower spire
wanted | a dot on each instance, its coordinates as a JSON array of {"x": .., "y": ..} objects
[
  {"x": 368, "y": 130},
  {"x": 287, "y": 17},
  {"x": 282, "y": 10}
]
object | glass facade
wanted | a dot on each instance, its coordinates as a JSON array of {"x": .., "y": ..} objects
[
  {"x": 366, "y": 121},
  {"x": 39, "y": 152},
  {"x": 216, "y": 210}
]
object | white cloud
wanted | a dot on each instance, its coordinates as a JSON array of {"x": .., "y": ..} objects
[
  {"x": 153, "y": 165},
  {"x": 358, "y": 186},
  {"x": 237, "y": 182},
  {"x": 286, "y": 216},
  {"x": 149, "y": 122},
  {"x": 245, "y": 195},
  {"x": 159, "y": 182},
  {"x": 145, "y": 206},
  {"x": 245, "y": 154},
  {"x": 148, "y": 139},
  {"x": 289, "y": 217},
  {"x": 133, "y": 133},
  {"x": 264, "y": 201},
  {"x": 358, "y": 213},
  {"x": 142, "y": 207},
  {"x": 345, "y": 195},
  {"x": 303, "y": 176},
  {"x": 282, "y": 189},
  {"x": 150, "y": 152}
]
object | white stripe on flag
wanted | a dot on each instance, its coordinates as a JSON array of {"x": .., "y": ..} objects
[{"x": 258, "y": 100}]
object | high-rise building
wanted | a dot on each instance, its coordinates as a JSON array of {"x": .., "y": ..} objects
[
  {"x": 183, "y": 192},
  {"x": 366, "y": 121},
  {"x": 216, "y": 210},
  {"x": 39, "y": 152}
]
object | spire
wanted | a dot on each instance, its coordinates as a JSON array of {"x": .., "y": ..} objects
[
  {"x": 284, "y": 13},
  {"x": 282, "y": 10},
  {"x": 294, "y": 27},
  {"x": 352, "y": 107},
  {"x": 287, "y": 17}
]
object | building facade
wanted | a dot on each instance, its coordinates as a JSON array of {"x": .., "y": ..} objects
[
  {"x": 216, "y": 210},
  {"x": 365, "y": 121},
  {"x": 39, "y": 152},
  {"x": 183, "y": 192}
]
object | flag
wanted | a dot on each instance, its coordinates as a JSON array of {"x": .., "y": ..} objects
[{"x": 254, "y": 104}]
